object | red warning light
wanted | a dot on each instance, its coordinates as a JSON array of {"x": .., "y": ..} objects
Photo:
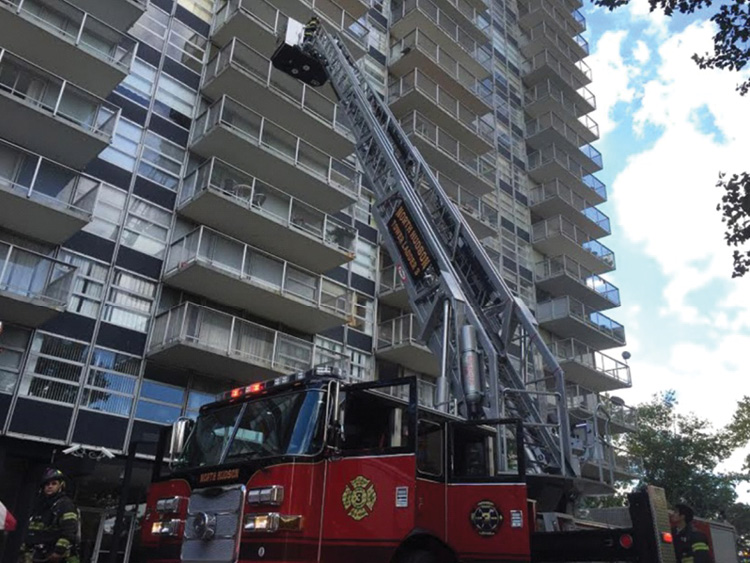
[
  {"x": 255, "y": 387},
  {"x": 626, "y": 541},
  {"x": 666, "y": 537},
  {"x": 236, "y": 392}
]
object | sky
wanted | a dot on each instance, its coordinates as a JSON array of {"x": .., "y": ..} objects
[{"x": 667, "y": 128}]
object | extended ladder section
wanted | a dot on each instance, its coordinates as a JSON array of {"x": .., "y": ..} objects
[{"x": 492, "y": 355}]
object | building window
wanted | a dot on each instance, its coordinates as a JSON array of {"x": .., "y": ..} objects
[
  {"x": 365, "y": 261},
  {"x": 360, "y": 365},
  {"x": 111, "y": 382},
  {"x": 203, "y": 391},
  {"x": 139, "y": 84},
  {"x": 363, "y": 209},
  {"x": 88, "y": 288},
  {"x": 201, "y": 8},
  {"x": 54, "y": 369},
  {"x": 146, "y": 227},
  {"x": 13, "y": 343},
  {"x": 159, "y": 402},
  {"x": 151, "y": 29},
  {"x": 186, "y": 46},
  {"x": 363, "y": 315},
  {"x": 124, "y": 148},
  {"x": 130, "y": 301},
  {"x": 161, "y": 161},
  {"x": 175, "y": 101},
  {"x": 108, "y": 212}
]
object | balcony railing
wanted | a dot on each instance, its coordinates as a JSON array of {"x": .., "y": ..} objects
[
  {"x": 30, "y": 275},
  {"x": 479, "y": 19},
  {"x": 549, "y": 89},
  {"x": 243, "y": 340},
  {"x": 569, "y": 47},
  {"x": 420, "y": 82},
  {"x": 560, "y": 124},
  {"x": 455, "y": 33},
  {"x": 615, "y": 412},
  {"x": 249, "y": 192},
  {"x": 557, "y": 189},
  {"x": 575, "y": 351},
  {"x": 576, "y": 79},
  {"x": 257, "y": 130},
  {"x": 390, "y": 279},
  {"x": 568, "y": 23},
  {"x": 562, "y": 226},
  {"x": 562, "y": 307},
  {"x": 249, "y": 264},
  {"x": 260, "y": 11},
  {"x": 246, "y": 59},
  {"x": 78, "y": 28},
  {"x": 35, "y": 87},
  {"x": 401, "y": 331},
  {"x": 481, "y": 167},
  {"x": 477, "y": 207},
  {"x": 433, "y": 51},
  {"x": 566, "y": 266},
  {"x": 39, "y": 179},
  {"x": 554, "y": 154}
]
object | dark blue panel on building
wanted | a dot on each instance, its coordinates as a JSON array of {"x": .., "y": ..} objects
[
  {"x": 100, "y": 430},
  {"x": 377, "y": 55},
  {"x": 119, "y": 338},
  {"x": 130, "y": 110},
  {"x": 505, "y": 186},
  {"x": 149, "y": 54},
  {"x": 336, "y": 333},
  {"x": 92, "y": 245},
  {"x": 339, "y": 274},
  {"x": 71, "y": 325},
  {"x": 193, "y": 21},
  {"x": 378, "y": 17},
  {"x": 367, "y": 232},
  {"x": 154, "y": 192},
  {"x": 109, "y": 173},
  {"x": 41, "y": 419},
  {"x": 181, "y": 73},
  {"x": 363, "y": 284},
  {"x": 165, "y": 5},
  {"x": 143, "y": 431},
  {"x": 138, "y": 262},
  {"x": 4, "y": 408},
  {"x": 168, "y": 130},
  {"x": 359, "y": 340},
  {"x": 520, "y": 198}
]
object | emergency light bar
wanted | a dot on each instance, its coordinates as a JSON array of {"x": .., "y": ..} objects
[{"x": 261, "y": 386}]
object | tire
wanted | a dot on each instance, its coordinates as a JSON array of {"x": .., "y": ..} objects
[{"x": 418, "y": 556}]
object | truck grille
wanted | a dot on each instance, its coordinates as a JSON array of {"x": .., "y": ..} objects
[{"x": 213, "y": 525}]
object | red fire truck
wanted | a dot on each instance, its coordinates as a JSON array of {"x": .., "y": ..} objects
[{"x": 309, "y": 468}]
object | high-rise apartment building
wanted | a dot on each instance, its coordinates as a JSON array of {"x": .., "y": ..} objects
[{"x": 178, "y": 217}]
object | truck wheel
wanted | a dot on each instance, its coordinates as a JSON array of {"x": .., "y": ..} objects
[{"x": 418, "y": 556}]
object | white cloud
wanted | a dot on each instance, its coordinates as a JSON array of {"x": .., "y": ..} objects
[{"x": 641, "y": 53}]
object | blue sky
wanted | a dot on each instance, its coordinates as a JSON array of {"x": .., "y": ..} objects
[{"x": 667, "y": 128}]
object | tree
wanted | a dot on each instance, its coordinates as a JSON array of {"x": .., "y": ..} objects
[
  {"x": 680, "y": 454},
  {"x": 732, "y": 52}
]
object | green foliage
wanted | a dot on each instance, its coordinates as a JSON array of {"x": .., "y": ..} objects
[{"x": 732, "y": 52}]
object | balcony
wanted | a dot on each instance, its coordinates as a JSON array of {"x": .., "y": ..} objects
[
  {"x": 33, "y": 288},
  {"x": 589, "y": 368},
  {"x": 58, "y": 35},
  {"x": 474, "y": 17},
  {"x": 416, "y": 50},
  {"x": 553, "y": 128},
  {"x": 553, "y": 163},
  {"x": 248, "y": 77},
  {"x": 397, "y": 343},
  {"x": 418, "y": 92},
  {"x": 609, "y": 464},
  {"x": 391, "y": 289},
  {"x": 564, "y": 276},
  {"x": 546, "y": 66},
  {"x": 120, "y": 14},
  {"x": 613, "y": 416},
  {"x": 408, "y": 15},
  {"x": 228, "y": 347},
  {"x": 569, "y": 317},
  {"x": 539, "y": 13},
  {"x": 42, "y": 199},
  {"x": 247, "y": 140},
  {"x": 258, "y": 23},
  {"x": 559, "y": 236},
  {"x": 206, "y": 262},
  {"x": 548, "y": 96},
  {"x": 483, "y": 218},
  {"x": 51, "y": 116},
  {"x": 225, "y": 198},
  {"x": 555, "y": 198},
  {"x": 445, "y": 153},
  {"x": 547, "y": 36}
]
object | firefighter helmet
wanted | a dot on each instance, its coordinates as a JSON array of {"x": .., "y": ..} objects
[{"x": 52, "y": 474}]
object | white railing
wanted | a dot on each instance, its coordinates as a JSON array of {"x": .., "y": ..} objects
[{"x": 31, "y": 275}]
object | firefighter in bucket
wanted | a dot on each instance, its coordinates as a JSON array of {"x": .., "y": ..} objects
[{"x": 53, "y": 533}]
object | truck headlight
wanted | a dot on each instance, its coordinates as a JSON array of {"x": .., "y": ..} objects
[
  {"x": 172, "y": 504},
  {"x": 166, "y": 528},
  {"x": 266, "y": 495}
]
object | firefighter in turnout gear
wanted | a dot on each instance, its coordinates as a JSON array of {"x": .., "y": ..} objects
[
  {"x": 53, "y": 533},
  {"x": 690, "y": 545}
]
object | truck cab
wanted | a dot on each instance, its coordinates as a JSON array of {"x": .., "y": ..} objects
[{"x": 311, "y": 468}]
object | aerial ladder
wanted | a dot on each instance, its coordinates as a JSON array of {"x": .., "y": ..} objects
[{"x": 491, "y": 353}]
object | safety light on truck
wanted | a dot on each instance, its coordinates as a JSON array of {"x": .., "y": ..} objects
[
  {"x": 166, "y": 528},
  {"x": 266, "y": 495},
  {"x": 626, "y": 541},
  {"x": 666, "y": 537},
  {"x": 254, "y": 388},
  {"x": 273, "y": 522},
  {"x": 170, "y": 505}
]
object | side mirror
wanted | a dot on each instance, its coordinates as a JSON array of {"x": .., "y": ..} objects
[{"x": 181, "y": 429}]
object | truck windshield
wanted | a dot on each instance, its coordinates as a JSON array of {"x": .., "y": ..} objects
[{"x": 290, "y": 424}]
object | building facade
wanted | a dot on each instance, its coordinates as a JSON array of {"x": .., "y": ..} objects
[{"x": 177, "y": 217}]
